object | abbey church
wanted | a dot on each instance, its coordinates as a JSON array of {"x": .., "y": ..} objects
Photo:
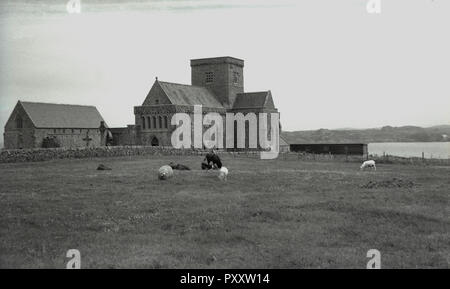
[{"x": 217, "y": 84}]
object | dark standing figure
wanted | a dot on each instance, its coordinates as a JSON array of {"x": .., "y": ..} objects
[{"x": 212, "y": 160}]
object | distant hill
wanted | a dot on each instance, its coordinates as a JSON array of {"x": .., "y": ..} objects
[{"x": 384, "y": 134}]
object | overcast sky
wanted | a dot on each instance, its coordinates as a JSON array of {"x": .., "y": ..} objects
[{"x": 328, "y": 63}]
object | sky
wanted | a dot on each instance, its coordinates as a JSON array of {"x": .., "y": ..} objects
[{"x": 329, "y": 64}]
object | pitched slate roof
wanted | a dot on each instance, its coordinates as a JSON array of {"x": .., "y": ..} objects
[
  {"x": 51, "y": 115},
  {"x": 253, "y": 100},
  {"x": 182, "y": 94}
]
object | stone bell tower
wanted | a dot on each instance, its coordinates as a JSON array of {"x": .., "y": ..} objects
[{"x": 224, "y": 76}]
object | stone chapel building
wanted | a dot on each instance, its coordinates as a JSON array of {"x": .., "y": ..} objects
[
  {"x": 216, "y": 83},
  {"x": 37, "y": 124}
]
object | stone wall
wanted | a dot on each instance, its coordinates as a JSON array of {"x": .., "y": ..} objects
[
  {"x": 44, "y": 154},
  {"x": 19, "y": 130},
  {"x": 35, "y": 155},
  {"x": 19, "y": 138},
  {"x": 69, "y": 137},
  {"x": 125, "y": 136},
  {"x": 41, "y": 154},
  {"x": 33, "y": 137}
]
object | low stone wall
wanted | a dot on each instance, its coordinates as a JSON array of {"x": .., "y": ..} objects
[{"x": 41, "y": 154}]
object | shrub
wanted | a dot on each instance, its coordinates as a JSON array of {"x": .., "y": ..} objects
[{"x": 50, "y": 142}]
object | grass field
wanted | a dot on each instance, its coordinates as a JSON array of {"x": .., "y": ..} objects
[{"x": 270, "y": 214}]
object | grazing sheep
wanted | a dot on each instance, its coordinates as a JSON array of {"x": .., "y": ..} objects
[
  {"x": 102, "y": 167},
  {"x": 180, "y": 167},
  {"x": 368, "y": 164},
  {"x": 165, "y": 172},
  {"x": 223, "y": 173}
]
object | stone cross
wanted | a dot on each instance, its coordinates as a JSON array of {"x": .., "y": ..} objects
[{"x": 87, "y": 139}]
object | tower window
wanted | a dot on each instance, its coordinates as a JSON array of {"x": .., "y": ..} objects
[
  {"x": 156, "y": 101},
  {"x": 19, "y": 122},
  {"x": 209, "y": 77}
]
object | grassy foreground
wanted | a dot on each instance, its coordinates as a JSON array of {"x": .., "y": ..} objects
[{"x": 270, "y": 214}]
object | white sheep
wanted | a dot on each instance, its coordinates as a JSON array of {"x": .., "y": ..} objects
[
  {"x": 368, "y": 164},
  {"x": 165, "y": 172},
  {"x": 223, "y": 173}
]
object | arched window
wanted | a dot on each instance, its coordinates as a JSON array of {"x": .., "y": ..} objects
[
  {"x": 143, "y": 122},
  {"x": 154, "y": 122},
  {"x": 160, "y": 121},
  {"x": 149, "y": 123},
  {"x": 165, "y": 122},
  {"x": 19, "y": 122},
  {"x": 154, "y": 141}
]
